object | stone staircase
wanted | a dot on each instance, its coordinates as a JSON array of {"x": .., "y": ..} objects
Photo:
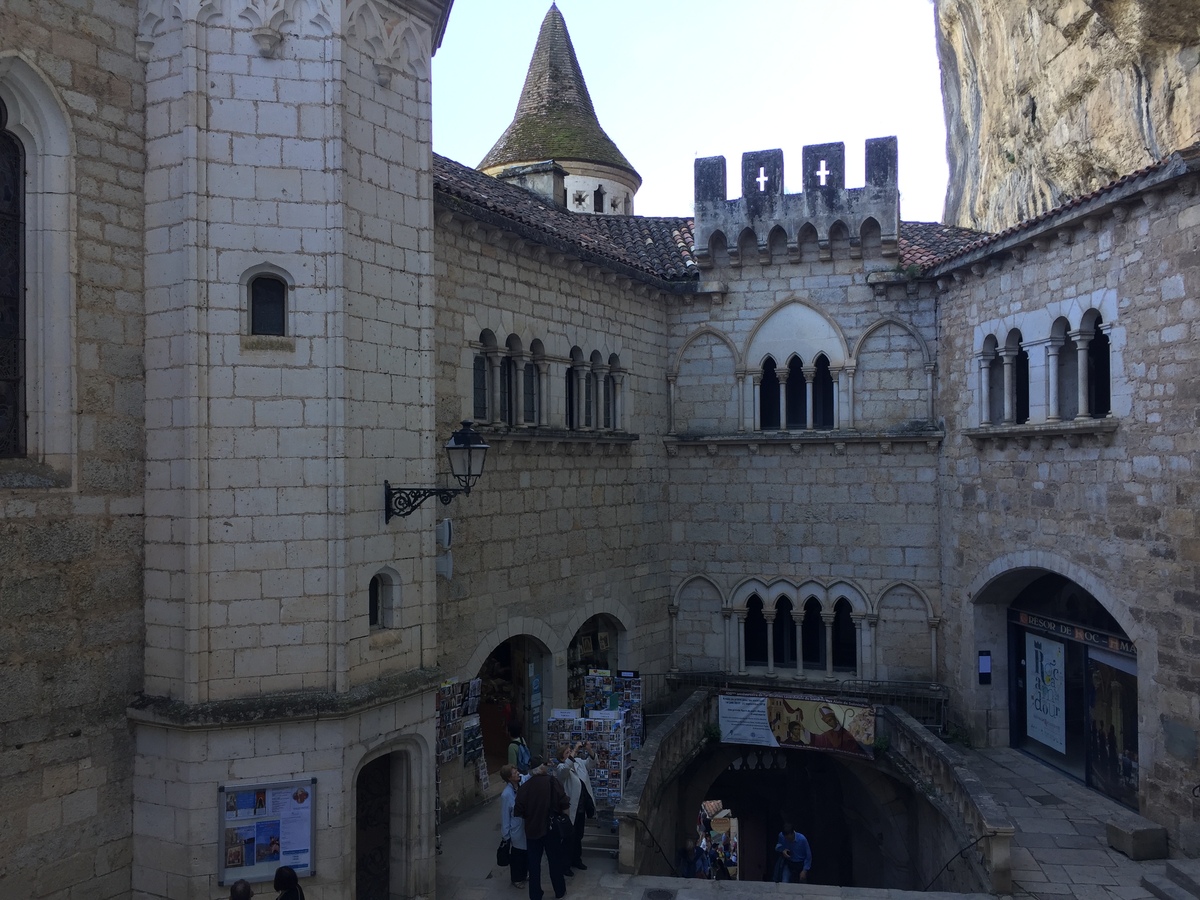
[
  {"x": 600, "y": 836},
  {"x": 1180, "y": 881}
]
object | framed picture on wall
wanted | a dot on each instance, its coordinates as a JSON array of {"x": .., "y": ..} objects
[
  {"x": 585, "y": 645},
  {"x": 602, "y": 641}
]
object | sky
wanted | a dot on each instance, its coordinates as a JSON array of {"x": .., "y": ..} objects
[{"x": 674, "y": 80}]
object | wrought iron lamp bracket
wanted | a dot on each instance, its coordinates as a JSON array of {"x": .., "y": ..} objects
[{"x": 402, "y": 501}]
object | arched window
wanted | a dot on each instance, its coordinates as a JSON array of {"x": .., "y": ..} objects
[
  {"x": 508, "y": 404},
  {"x": 383, "y": 601},
  {"x": 598, "y": 199},
  {"x": 1099, "y": 374},
  {"x": 572, "y": 413},
  {"x": 610, "y": 395},
  {"x": 845, "y": 641},
  {"x": 796, "y": 395},
  {"x": 1021, "y": 387},
  {"x": 12, "y": 292},
  {"x": 823, "y": 395},
  {"x": 268, "y": 305},
  {"x": 531, "y": 397},
  {"x": 768, "y": 398},
  {"x": 785, "y": 634},
  {"x": 589, "y": 398},
  {"x": 812, "y": 635},
  {"x": 756, "y": 633}
]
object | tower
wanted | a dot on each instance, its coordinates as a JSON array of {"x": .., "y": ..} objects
[{"x": 555, "y": 121}]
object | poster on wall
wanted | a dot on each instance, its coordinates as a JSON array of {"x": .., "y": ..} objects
[
  {"x": 263, "y": 827},
  {"x": 779, "y": 720},
  {"x": 1045, "y": 679},
  {"x": 1112, "y": 746}
]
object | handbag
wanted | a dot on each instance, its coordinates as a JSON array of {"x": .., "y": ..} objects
[
  {"x": 560, "y": 830},
  {"x": 502, "y": 853}
]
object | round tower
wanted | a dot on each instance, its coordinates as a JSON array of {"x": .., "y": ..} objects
[{"x": 555, "y": 120}]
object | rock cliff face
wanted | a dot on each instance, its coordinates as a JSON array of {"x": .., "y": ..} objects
[{"x": 1049, "y": 99}]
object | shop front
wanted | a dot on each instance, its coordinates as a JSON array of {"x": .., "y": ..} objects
[{"x": 1073, "y": 692}]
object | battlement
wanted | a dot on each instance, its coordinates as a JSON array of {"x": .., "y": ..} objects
[{"x": 767, "y": 225}]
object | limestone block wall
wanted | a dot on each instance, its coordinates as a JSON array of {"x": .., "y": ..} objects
[
  {"x": 268, "y": 454},
  {"x": 70, "y": 513},
  {"x": 563, "y": 525},
  {"x": 1114, "y": 512},
  {"x": 850, "y": 512}
]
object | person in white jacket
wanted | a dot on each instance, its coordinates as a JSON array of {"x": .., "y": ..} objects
[
  {"x": 512, "y": 827},
  {"x": 574, "y": 771}
]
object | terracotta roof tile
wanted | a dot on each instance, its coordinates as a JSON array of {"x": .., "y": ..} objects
[
  {"x": 651, "y": 248},
  {"x": 924, "y": 244}
]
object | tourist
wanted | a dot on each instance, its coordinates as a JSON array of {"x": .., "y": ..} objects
[
  {"x": 537, "y": 797},
  {"x": 512, "y": 828},
  {"x": 795, "y": 857}
]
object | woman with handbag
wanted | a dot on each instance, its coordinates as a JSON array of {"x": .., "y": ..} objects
[{"x": 512, "y": 828}]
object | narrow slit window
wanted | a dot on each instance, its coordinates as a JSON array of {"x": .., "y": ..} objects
[
  {"x": 12, "y": 290},
  {"x": 268, "y": 305}
]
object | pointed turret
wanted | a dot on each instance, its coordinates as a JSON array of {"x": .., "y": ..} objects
[{"x": 556, "y": 121}]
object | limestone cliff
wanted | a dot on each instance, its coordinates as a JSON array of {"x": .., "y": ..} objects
[{"x": 1049, "y": 99}]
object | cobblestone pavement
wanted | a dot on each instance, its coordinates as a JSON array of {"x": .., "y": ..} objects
[{"x": 1059, "y": 851}]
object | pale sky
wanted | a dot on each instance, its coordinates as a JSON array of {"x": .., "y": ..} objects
[{"x": 673, "y": 80}]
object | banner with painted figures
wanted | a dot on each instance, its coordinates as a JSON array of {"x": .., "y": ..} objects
[
  {"x": 781, "y": 720},
  {"x": 1045, "y": 706}
]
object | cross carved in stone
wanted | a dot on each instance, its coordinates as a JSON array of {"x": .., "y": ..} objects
[
  {"x": 763, "y": 178},
  {"x": 823, "y": 173}
]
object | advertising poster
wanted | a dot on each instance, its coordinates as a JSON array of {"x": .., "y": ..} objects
[
  {"x": 772, "y": 720},
  {"x": 1045, "y": 709},
  {"x": 1112, "y": 749},
  {"x": 264, "y": 827}
]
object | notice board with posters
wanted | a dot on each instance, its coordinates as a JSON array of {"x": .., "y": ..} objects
[{"x": 265, "y": 826}]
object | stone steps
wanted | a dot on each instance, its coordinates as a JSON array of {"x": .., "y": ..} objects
[{"x": 1180, "y": 881}]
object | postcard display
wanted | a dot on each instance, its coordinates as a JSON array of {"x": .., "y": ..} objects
[
  {"x": 609, "y": 732},
  {"x": 458, "y": 730},
  {"x": 603, "y": 690}
]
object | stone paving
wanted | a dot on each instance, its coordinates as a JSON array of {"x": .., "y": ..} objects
[{"x": 1059, "y": 852}]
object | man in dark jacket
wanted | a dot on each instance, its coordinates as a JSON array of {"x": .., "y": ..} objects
[{"x": 540, "y": 795}]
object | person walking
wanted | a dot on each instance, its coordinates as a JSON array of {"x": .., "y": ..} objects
[
  {"x": 574, "y": 770},
  {"x": 512, "y": 828},
  {"x": 537, "y": 798},
  {"x": 795, "y": 857}
]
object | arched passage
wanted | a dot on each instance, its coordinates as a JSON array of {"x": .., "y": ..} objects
[
  {"x": 514, "y": 688},
  {"x": 595, "y": 645}
]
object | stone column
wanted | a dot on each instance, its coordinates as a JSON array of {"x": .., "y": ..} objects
[
  {"x": 985, "y": 390},
  {"x": 543, "y": 376},
  {"x": 757, "y": 379},
  {"x": 727, "y": 627},
  {"x": 837, "y": 397},
  {"x": 600, "y": 374},
  {"x": 1082, "y": 339},
  {"x": 619, "y": 401},
  {"x": 849, "y": 369},
  {"x": 671, "y": 406},
  {"x": 741, "y": 402},
  {"x": 1052, "y": 410},
  {"x": 781, "y": 375},
  {"x": 1010, "y": 385},
  {"x": 769, "y": 615},
  {"x": 741, "y": 641},
  {"x": 934, "y": 622},
  {"x": 494, "y": 360},
  {"x": 518, "y": 390},
  {"x": 580, "y": 416},
  {"x": 827, "y": 618},
  {"x": 929, "y": 371},
  {"x": 872, "y": 671},
  {"x": 809, "y": 373},
  {"x": 673, "y": 611},
  {"x": 859, "y": 643}
]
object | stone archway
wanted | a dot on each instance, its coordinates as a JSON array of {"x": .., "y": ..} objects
[{"x": 393, "y": 841}]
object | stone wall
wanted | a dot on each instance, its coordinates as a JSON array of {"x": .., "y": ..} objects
[
  {"x": 1113, "y": 510},
  {"x": 563, "y": 525},
  {"x": 70, "y": 515}
]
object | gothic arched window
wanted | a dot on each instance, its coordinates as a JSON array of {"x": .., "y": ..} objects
[
  {"x": 796, "y": 399},
  {"x": 768, "y": 398},
  {"x": 756, "y": 633},
  {"x": 12, "y": 290},
  {"x": 823, "y": 395}
]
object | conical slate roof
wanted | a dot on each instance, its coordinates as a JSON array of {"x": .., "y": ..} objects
[{"x": 555, "y": 118}]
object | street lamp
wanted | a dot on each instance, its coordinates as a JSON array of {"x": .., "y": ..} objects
[{"x": 467, "y": 452}]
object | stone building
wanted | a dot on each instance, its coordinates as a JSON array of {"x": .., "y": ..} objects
[{"x": 793, "y": 436}]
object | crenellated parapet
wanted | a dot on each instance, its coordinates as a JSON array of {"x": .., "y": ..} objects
[{"x": 766, "y": 224}]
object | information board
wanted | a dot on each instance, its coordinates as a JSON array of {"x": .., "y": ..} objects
[{"x": 265, "y": 826}]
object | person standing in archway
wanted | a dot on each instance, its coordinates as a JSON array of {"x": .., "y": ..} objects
[
  {"x": 518, "y": 750},
  {"x": 795, "y": 857}
]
